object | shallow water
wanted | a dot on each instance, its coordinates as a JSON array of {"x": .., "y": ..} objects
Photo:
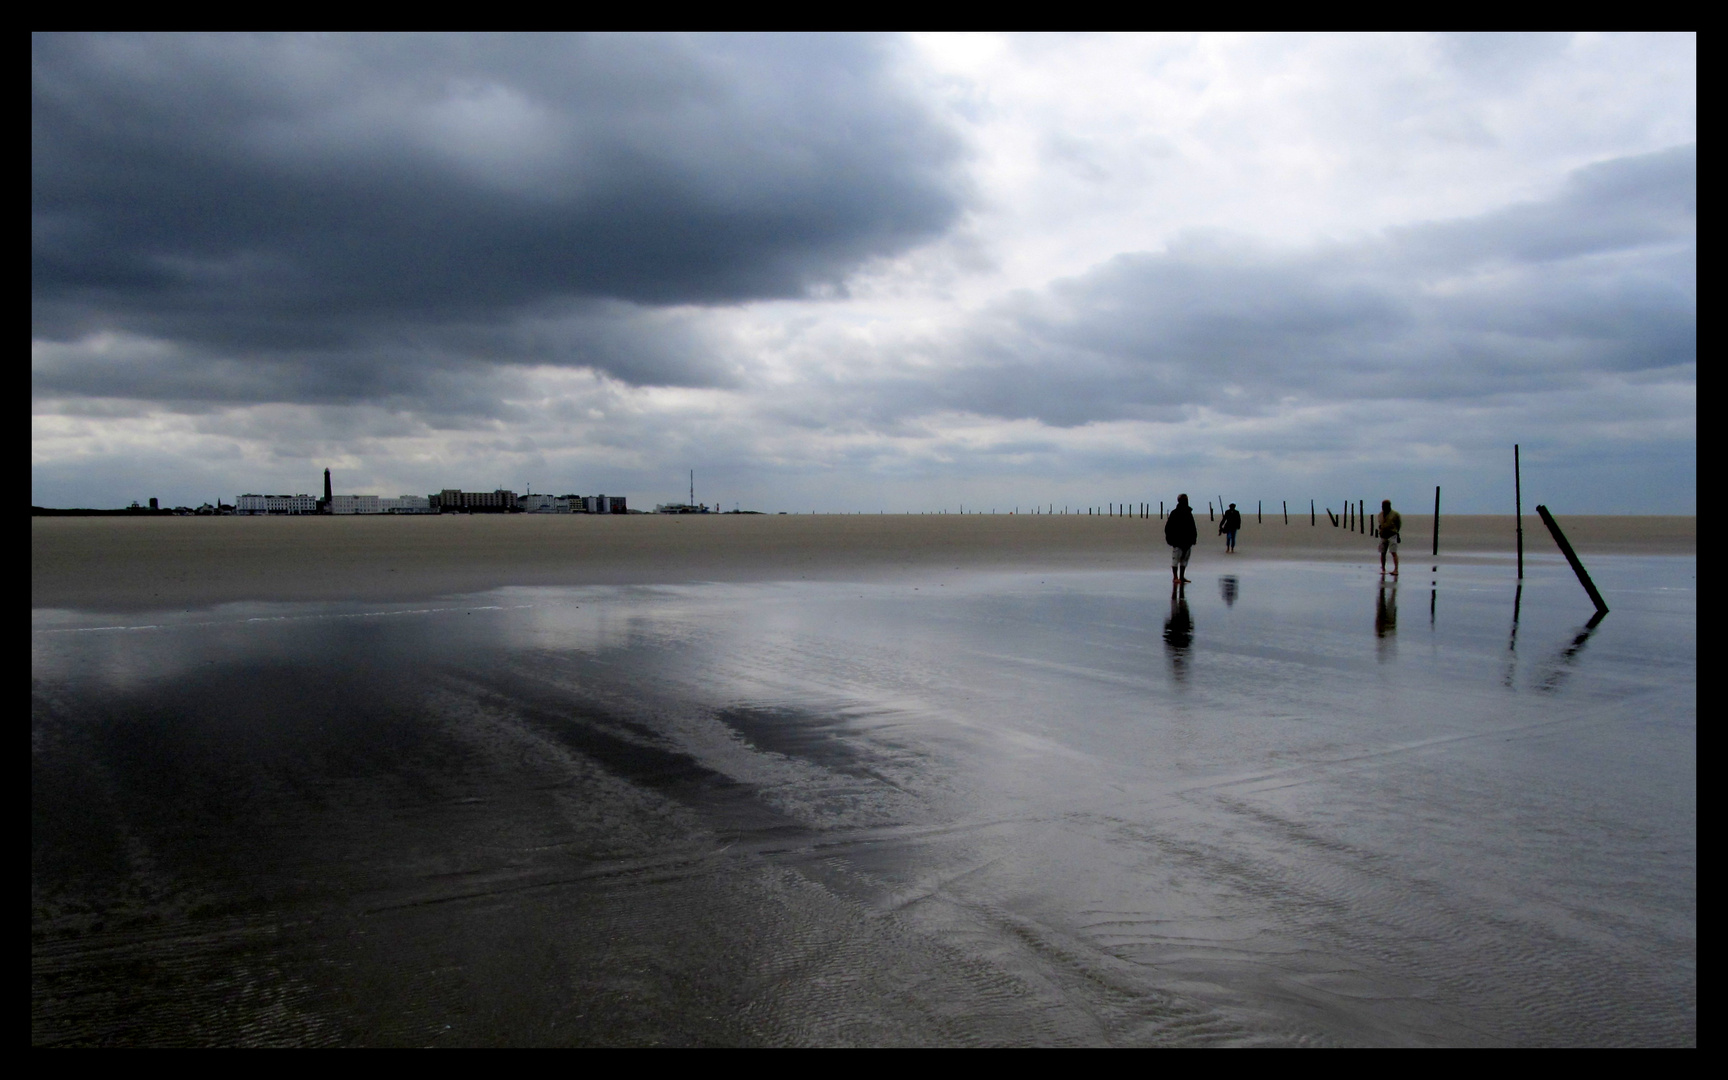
[{"x": 1291, "y": 806}]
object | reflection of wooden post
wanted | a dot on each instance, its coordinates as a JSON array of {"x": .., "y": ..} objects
[
  {"x": 1572, "y": 557},
  {"x": 1436, "y": 519},
  {"x": 1518, "y": 505}
]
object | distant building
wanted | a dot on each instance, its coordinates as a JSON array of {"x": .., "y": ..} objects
[
  {"x": 274, "y": 504},
  {"x": 451, "y": 500},
  {"x": 544, "y": 504},
  {"x": 681, "y": 508},
  {"x": 598, "y": 504},
  {"x": 355, "y": 504},
  {"x": 407, "y": 504}
]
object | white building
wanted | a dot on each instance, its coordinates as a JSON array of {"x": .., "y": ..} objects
[
  {"x": 407, "y": 504},
  {"x": 355, "y": 504},
  {"x": 543, "y": 504},
  {"x": 275, "y": 504}
]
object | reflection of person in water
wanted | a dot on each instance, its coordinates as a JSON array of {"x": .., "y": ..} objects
[
  {"x": 1386, "y": 610},
  {"x": 1231, "y": 524},
  {"x": 1227, "y": 586},
  {"x": 1178, "y": 630}
]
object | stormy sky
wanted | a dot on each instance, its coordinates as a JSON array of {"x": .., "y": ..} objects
[{"x": 844, "y": 273}]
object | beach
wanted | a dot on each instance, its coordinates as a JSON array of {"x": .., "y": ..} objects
[
  {"x": 116, "y": 564},
  {"x": 842, "y": 781}
]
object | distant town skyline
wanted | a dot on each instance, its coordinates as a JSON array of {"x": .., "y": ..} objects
[{"x": 867, "y": 273}]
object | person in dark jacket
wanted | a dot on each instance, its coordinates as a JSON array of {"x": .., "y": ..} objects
[
  {"x": 1180, "y": 534},
  {"x": 1231, "y": 524}
]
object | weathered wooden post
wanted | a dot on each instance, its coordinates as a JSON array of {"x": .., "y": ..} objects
[
  {"x": 1436, "y": 550},
  {"x": 1286, "y": 511},
  {"x": 1312, "y": 520},
  {"x": 1572, "y": 557},
  {"x": 1259, "y": 504},
  {"x": 1518, "y": 507}
]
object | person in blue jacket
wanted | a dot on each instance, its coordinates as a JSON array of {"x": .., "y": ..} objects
[
  {"x": 1231, "y": 524},
  {"x": 1181, "y": 534}
]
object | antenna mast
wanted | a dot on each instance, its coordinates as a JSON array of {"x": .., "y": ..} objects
[{"x": 692, "y": 487}]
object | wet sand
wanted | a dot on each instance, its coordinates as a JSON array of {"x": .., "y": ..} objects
[
  {"x": 1293, "y": 805},
  {"x": 110, "y": 564}
]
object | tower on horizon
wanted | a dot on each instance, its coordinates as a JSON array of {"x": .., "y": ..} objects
[{"x": 327, "y": 500}]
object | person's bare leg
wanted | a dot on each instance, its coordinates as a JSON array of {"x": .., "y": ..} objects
[{"x": 1394, "y": 564}]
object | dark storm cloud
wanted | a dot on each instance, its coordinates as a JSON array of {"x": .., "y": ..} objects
[
  {"x": 1599, "y": 278},
  {"x": 335, "y": 211}
]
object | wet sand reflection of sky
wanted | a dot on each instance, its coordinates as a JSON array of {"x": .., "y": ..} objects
[{"x": 1073, "y": 807}]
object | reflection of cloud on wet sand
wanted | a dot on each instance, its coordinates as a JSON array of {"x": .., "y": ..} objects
[{"x": 846, "y": 812}]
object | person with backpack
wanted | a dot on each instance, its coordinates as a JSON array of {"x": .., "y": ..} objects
[
  {"x": 1231, "y": 524},
  {"x": 1181, "y": 534}
]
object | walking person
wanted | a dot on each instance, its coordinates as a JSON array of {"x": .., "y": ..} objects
[
  {"x": 1181, "y": 534},
  {"x": 1389, "y": 523},
  {"x": 1231, "y": 524}
]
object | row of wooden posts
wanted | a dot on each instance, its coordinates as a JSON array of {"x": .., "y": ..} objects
[
  {"x": 1357, "y": 519},
  {"x": 1354, "y": 518}
]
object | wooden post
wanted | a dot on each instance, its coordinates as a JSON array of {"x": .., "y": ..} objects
[
  {"x": 1572, "y": 557},
  {"x": 1436, "y": 550},
  {"x": 1518, "y": 507},
  {"x": 1259, "y": 504},
  {"x": 1286, "y": 511},
  {"x": 1312, "y": 520}
]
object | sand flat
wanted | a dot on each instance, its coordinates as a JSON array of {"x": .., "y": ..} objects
[
  {"x": 1294, "y": 805},
  {"x": 120, "y": 564}
]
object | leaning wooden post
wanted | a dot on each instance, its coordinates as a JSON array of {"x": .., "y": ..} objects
[
  {"x": 1286, "y": 511},
  {"x": 1518, "y": 506},
  {"x": 1572, "y": 557},
  {"x": 1436, "y": 550}
]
